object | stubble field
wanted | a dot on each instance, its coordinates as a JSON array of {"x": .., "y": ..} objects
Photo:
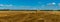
[{"x": 29, "y": 16}]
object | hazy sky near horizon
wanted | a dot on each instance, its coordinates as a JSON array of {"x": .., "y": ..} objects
[{"x": 30, "y": 4}]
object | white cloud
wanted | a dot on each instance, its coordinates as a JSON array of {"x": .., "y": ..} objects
[
  {"x": 25, "y": 7},
  {"x": 5, "y": 5},
  {"x": 8, "y": 5},
  {"x": 51, "y": 4},
  {"x": 1, "y": 5}
]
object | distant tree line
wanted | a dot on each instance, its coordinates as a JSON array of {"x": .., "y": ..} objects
[{"x": 26, "y": 10}]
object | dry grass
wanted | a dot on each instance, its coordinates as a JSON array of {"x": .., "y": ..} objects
[{"x": 29, "y": 16}]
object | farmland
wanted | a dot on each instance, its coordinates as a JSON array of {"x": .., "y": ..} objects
[{"x": 29, "y": 16}]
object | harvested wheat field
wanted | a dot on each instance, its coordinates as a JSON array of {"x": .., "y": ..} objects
[{"x": 29, "y": 16}]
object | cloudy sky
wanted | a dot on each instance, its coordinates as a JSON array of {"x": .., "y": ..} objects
[{"x": 30, "y": 4}]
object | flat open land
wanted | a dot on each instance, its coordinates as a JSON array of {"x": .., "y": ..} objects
[{"x": 29, "y": 16}]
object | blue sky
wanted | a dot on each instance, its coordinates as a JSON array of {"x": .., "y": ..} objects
[{"x": 30, "y": 4}]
